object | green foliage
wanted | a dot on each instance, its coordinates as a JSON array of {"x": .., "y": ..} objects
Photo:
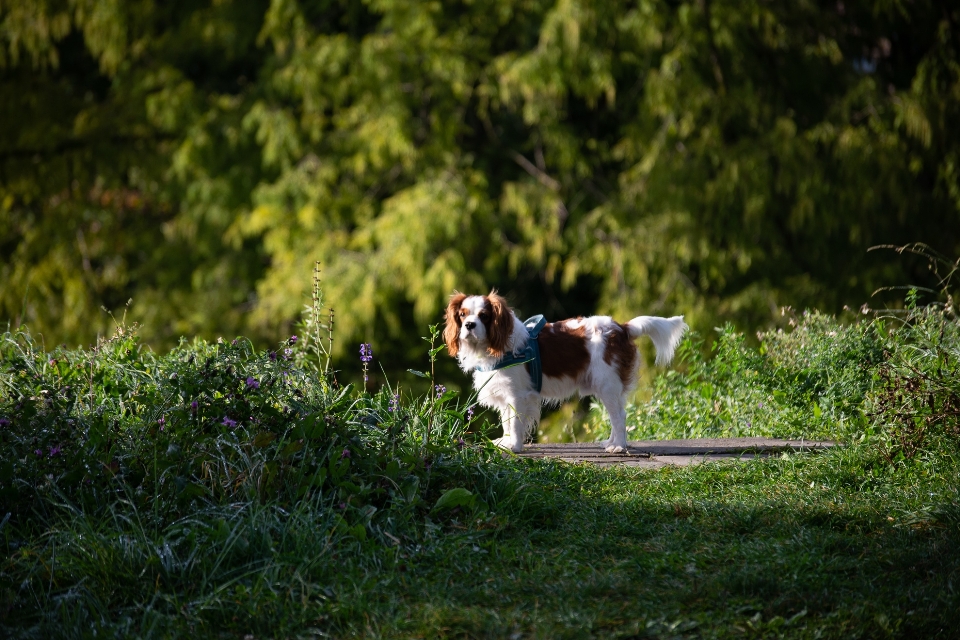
[
  {"x": 197, "y": 465},
  {"x": 209, "y": 422},
  {"x": 283, "y": 504},
  {"x": 918, "y": 402},
  {"x": 811, "y": 381},
  {"x": 891, "y": 381},
  {"x": 717, "y": 158}
]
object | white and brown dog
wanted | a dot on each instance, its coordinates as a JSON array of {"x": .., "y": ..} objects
[{"x": 593, "y": 356}]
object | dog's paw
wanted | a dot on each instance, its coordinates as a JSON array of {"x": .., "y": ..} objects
[
  {"x": 509, "y": 443},
  {"x": 612, "y": 447}
]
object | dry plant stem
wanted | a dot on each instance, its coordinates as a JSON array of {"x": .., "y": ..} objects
[
  {"x": 90, "y": 396},
  {"x": 317, "y": 301},
  {"x": 433, "y": 384},
  {"x": 330, "y": 345}
]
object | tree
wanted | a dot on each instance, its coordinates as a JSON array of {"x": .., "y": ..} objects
[{"x": 713, "y": 158}]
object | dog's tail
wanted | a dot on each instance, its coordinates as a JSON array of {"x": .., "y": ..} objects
[{"x": 665, "y": 333}]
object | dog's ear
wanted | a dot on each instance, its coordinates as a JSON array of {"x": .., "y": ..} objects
[
  {"x": 500, "y": 326},
  {"x": 451, "y": 333}
]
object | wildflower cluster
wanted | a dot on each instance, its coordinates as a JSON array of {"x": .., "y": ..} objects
[{"x": 366, "y": 356}]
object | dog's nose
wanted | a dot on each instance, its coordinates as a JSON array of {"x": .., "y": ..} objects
[{"x": 470, "y": 325}]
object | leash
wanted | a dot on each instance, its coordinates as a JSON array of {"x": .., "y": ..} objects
[{"x": 529, "y": 355}]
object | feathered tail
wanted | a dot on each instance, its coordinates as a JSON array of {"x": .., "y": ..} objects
[{"x": 665, "y": 333}]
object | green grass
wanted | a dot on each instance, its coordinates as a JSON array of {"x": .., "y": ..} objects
[
  {"x": 712, "y": 552},
  {"x": 219, "y": 492}
]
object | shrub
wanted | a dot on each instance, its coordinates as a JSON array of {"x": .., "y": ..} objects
[{"x": 917, "y": 404}]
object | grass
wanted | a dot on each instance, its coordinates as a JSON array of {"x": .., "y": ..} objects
[
  {"x": 710, "y": 552},
  {"x": 220, "y": 492}
]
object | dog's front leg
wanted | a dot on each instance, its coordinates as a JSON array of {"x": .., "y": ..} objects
[
  {"x": 512, "y": 430},
  {"x": 519, "y": 421}
]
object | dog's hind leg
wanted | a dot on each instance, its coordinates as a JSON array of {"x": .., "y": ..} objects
[{"x": 614, "y": 403}]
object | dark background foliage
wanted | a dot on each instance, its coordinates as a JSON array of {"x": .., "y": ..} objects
[{"x": 714, "y": 158}]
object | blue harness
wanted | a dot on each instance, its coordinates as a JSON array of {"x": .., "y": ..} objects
[{"x": 530, "y": 354}]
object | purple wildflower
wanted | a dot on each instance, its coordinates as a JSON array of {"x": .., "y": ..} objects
[
  {"x": 470, "y": 413},
  {"x": 55, "y": 451},
  {"x": 161, "y": 422},
  {"x": 252, "y": 383},
  {"x": 461, "y": 444},
  {"x": 194, "y": 406},
  {"x": 345, "y": 454},
  {"x": 38, "y": 452},
  {"x": 366, "y": 353},
  {"x": 228, "y": 422},
  {"x": 293, "y": 340},
  {"x": 53, "y": 362},
  {"x": 273, "y": 356},
  {"x": 394, "y": 403},
  {"x": 4, "y": 423},
  {"x": 440, "y": 389},
  {"x": 342, "y": 505},
  {"x": 760, "y": 405},
  {"x": 287, "y": 353}
]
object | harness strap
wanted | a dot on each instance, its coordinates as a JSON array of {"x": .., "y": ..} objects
[{"x": 530, "y": 354}]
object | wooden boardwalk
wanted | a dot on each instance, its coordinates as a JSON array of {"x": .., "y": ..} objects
[{"x": 653, "y": 454}]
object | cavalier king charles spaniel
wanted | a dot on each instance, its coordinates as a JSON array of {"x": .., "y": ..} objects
[{"x": 593, "y": 356}]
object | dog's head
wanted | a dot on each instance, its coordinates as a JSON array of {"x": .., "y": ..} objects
[{"x": 481, "y": 323}]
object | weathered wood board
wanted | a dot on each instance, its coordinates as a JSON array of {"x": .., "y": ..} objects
[{"x": 658, "y": 453}]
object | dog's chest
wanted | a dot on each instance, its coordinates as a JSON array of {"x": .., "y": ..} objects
[{"x": 502, "y": 386}]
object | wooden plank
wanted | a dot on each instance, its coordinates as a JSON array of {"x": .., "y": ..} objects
[{"x": 659, "y": 453}]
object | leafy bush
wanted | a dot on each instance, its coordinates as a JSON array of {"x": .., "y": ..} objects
[{"x": 917, "y": 404}]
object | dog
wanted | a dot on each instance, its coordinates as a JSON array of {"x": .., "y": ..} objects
[{"x": 593, "y": 356}]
